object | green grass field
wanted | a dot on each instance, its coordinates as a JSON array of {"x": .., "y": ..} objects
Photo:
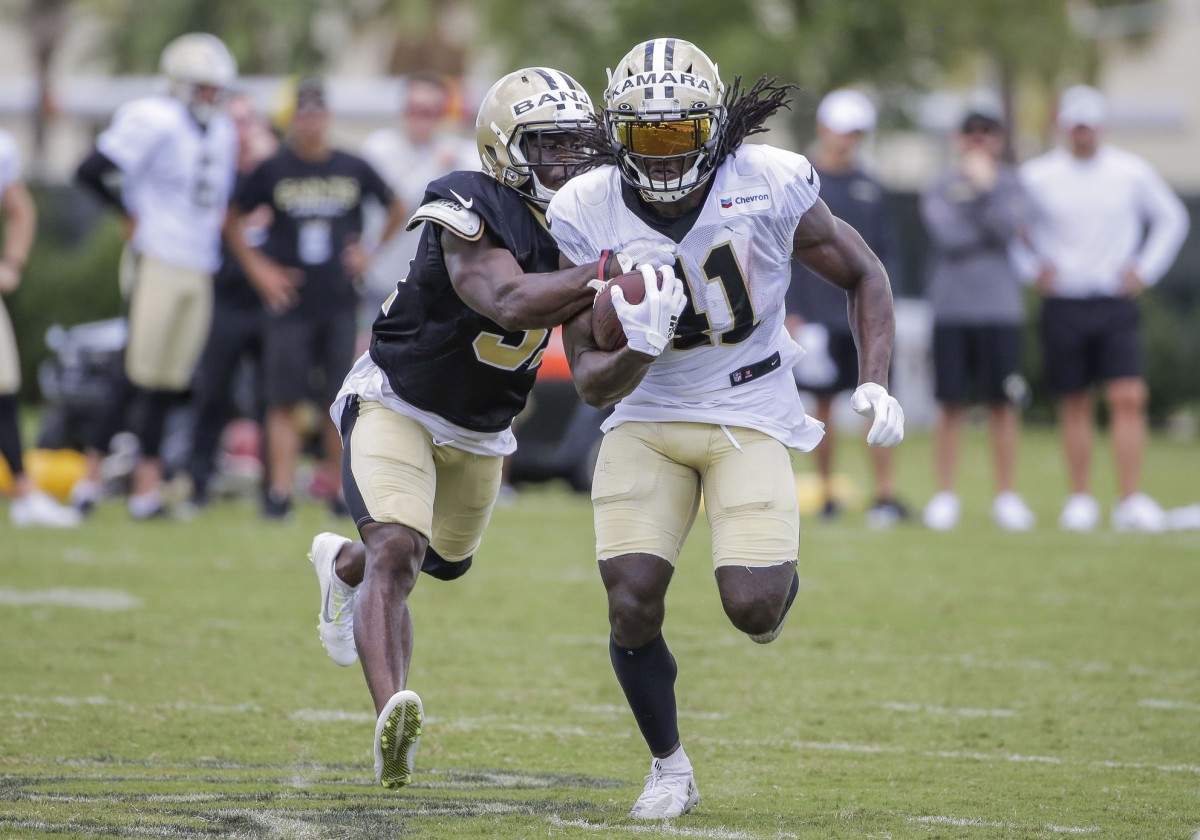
[{"x": 165, "y": 680}]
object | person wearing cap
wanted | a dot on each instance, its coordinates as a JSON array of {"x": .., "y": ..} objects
[
  {"x": 972, "y": 214},
  {"x": 306, "y": 270},
  {"x": 1108, "y": 228},
  {"x": 817, "y": 315}
]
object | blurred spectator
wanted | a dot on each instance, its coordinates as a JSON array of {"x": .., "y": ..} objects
[
  {"x": 238, "y": 314},
  {"x": 167, "y": 163},
  {"x": 30, "y": 506},
  {"x": 306, "y": 270},
  {"x": 1109, "y": 227},
  {"x": 972, "y": 214},
  {"x": 817, "y": 313},
  {"x": 420, "y": 149}
]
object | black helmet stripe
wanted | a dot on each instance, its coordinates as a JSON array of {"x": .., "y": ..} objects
[
  {"x": 550, "y": 80},
  {"x": 669, "y": 64}
]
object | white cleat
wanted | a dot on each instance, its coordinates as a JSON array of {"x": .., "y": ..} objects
[
  {"x": 1139, "y": 512},
  {"x": 1080, "y": 513},
  {"x": 397, "y": 736},
  {"x": 942, "y": 512},
  {"x": 667, "y": 794},
  {"x": 38, "y": 510},
  {"x": 1010, "y": 512},
  {"x": 336, "y": 619}
]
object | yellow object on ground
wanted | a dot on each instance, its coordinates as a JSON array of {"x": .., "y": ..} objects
[{"x": 53, "y": 470}]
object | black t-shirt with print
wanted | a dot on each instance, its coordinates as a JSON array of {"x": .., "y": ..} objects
[{"x": 317, "y": 212}]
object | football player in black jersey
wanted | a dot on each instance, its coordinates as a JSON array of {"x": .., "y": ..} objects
[{"x": 426, "y": 415}]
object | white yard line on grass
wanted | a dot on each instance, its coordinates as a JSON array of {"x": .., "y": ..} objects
[
  {"x": 108, "y": 600},
  {"x": 1169, "y": 704},
  {"x": 964, "y": 822},
  {"x": 942, "y": 710},
  {"x": 664, "y": 829}
]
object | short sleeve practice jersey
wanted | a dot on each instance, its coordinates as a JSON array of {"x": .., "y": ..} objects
[
  {"x": 728, "y": 363},
  {"x": 439, "y": 354},
  {"x": 178, "y": 178}
]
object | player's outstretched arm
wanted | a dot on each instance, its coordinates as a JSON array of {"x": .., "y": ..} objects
[
  {"x": 834, "y": 250},
  {"x": 490, "y": 280}
]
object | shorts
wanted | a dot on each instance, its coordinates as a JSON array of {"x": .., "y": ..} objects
[
  {"x": 393, "y": 473},
  {"x": 10, "y": 365},
  {"x": 977, "y": 363},
  {"x": 1090, "y": 340},
  {"x": 649, "y": 480},
  {"x": 844, "y": 353},
  {"x": 307, "y": 358},
  {"x": 170, "y": 311}
]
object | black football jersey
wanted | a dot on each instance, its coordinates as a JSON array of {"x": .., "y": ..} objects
[{"x": 439, "y": 354}]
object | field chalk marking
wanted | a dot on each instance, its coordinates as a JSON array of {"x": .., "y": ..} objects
[{"x": 108, "y": 600}]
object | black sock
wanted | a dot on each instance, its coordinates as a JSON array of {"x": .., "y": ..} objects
[
  {"x": 647, "y": 676},
  {"x": 10, "y": 435}
]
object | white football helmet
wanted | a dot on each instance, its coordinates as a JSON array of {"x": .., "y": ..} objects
[
  {"x": 194, "y": 60},
  {"x": 664, "y": 112},
  {"x": 520, "y": 108}
]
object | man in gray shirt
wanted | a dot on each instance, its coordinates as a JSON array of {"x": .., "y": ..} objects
[{"x": 972, "y": 213}]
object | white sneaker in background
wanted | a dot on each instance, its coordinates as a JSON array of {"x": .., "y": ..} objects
[
  {"x": 1139, "y": 512},
  {"x": 670, "y": 789},
  {"x": 36, "y": 509},
  {"x": 397, "y": 736},
  {"x": 1184, "y": 518},
  {"x": 335, "y": 621},
  {"x": 84, "y": 495},
  {"x": 1010, "y": 512},
  {"x": 942, "y": 512},
  {"x": 1080, "y": 513}
]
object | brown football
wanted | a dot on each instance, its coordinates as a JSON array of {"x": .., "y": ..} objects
[{"x": 606, "y": 326}]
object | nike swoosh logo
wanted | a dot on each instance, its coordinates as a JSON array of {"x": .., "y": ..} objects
[
  {"x": 812, "y": 176},
  {"x": 325, "y": 615},
  {"x": 467, "y": 204}
]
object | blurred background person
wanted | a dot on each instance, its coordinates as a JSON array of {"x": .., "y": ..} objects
[
  {"x": 30, "y": 506},
  {"x": 816, "y": 309},
  {"x": 422, "y": 147},
  {"x": 972, "y": 214},
  {"x": 167, "y": 163},
  {"x": 1109, "y": 227},
  {"x": 306, "y": 270},
  {"x": 238, "y": 316}
]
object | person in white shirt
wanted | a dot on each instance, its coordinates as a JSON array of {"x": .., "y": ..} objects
[
  {"x": 420, "y": 149},
  {"x": 1107, "y": 228},
  {"x": 167, "y": 163}
]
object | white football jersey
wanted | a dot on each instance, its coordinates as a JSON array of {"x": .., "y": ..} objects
[
  {"x": 730, "y": 362},
  {"x": 10, "y": 161},
  {"x": 177, "y": 178}
]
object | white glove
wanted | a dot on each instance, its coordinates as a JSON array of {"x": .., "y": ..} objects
[
  {"x": 816, "y": 367},
  {"x": 649, "y": 325},
  {"x": 872, "y": 400}
]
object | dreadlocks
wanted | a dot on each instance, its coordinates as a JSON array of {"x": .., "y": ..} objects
[
  {"x": 593, "y": 137},
  {"x": 746, "y": 111}
]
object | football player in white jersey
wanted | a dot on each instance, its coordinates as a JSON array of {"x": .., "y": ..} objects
[
  {"x": 705, "y": 404},
  {"x": 167, "y": 162}
]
